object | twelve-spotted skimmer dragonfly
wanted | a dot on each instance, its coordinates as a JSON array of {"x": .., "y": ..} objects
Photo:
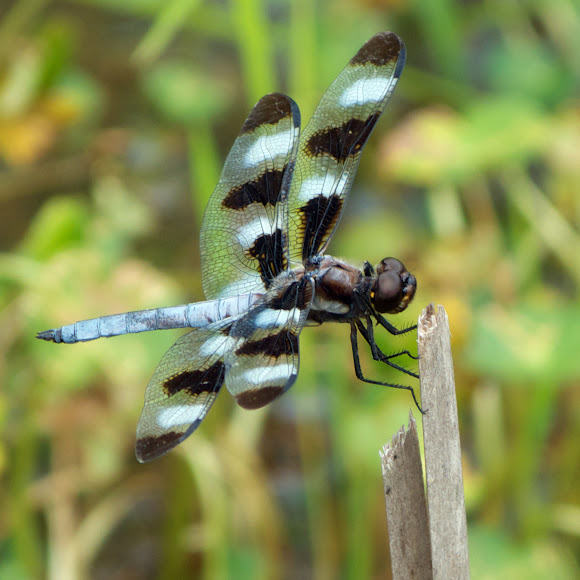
[{"x": 264, "y": 269}]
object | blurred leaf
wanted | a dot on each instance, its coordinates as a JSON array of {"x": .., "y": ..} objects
[
  {"x": 254, "y": 36},
  {"x": 12, "y": 567},
  {"x": 527, "y": 343},
  {"x": 143, "y": 7},
  {"x": 505, "y": 129},
  {"x": 550, "y": 225},
  {"x": 437, "y": 145},
  {"x": 183, "y": 95},
  {"x": 424, "y": 148},
  {"x": 24, "y": 139},
  {"x": 40, "y": 96},
  {"x": 494, "y": 555},
  {"x": 60, "y": 224},
  {"x": 303, "y": 78},
  {"x": 245, "y": 562},
  {"x": 527, "y": 68},
  {"x": 20, "y": 82},
  {"x": 205, "y": 164},
  {"x": 565, "y": 154},
  {"x": 121, "y": 218},
  {"x": 76, "y": 96},
  {"x": 173, "y": 15},
  {"x": 57, "y": 46},
  {"x": 441, "y": 27}
]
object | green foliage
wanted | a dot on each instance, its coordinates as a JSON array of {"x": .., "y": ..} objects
[
  {"x": 110, "y": 111},
  {"x": 528, "y": 344},
  {"x": 60, "y": 225},
  {"x": 183, "y": 96},
  {"x": 536, "y": 561}
]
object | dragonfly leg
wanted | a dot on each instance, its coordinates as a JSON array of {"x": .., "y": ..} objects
[
  {"x": 368, "y": 334},
  {"x": 359, "y": 373}
]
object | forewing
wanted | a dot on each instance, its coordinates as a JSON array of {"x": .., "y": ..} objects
[
  {"x": 182, "y": 389},
  {"x": 244, "y": 231},
  {"x": 264, "y": 360},
  {"x": 332, "y": 142}
]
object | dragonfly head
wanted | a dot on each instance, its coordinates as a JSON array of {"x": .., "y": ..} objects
[{"x": 393, "y": 288}]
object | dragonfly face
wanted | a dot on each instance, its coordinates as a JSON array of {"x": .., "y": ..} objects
[
  {"x": 394, "y": 287},
  {"x": 278, "y": 201}
]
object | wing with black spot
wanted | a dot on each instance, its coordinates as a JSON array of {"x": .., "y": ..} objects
[
  {"x": 264, "y": 359},
  {"x": 332, "y": 142},
  {"x": 183, "y": 388},
  {"x": 244, "y": 242}
]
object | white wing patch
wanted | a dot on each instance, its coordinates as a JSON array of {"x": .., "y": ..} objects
[
  {"x": 268, "y": 147},
  {"x": 248, "y": 234},
  {"x": 216, "y": 345},
  {"x": 322, "y": 186},
  {"x": 170, "y": 417},
  {"x": 264, "y": 375},
  {"x": 366, "y": 91},
  {"x": 318, "y": 185},
  {"x": 271, "y": 318}
]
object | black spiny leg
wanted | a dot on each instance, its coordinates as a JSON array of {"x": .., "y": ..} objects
[
  {"x": 392, "y": 329},
  {"x": 360, "y": 376},
  {"x": 378, "y": 354}
]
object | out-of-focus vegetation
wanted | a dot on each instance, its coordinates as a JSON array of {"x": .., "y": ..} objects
[{"x": 115, "y": 118}]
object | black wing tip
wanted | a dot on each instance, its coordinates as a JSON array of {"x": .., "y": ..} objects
[
  {"x": 380, "y": 50},
  {"x": 262, "y": 396},
  {"x": 286, "y": 103},
  {"x": 271, "y": 109},
  {"x": 150, "y": 448},
  {"x": 394, "y": 44}
]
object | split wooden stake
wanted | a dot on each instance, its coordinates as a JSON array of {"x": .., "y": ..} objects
[{"x": 444, "y": 529}]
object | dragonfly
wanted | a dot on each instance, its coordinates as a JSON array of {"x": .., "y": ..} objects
[{"x": 265, "y": 271}]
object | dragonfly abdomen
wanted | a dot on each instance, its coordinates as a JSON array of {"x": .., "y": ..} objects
[{"x": 193, "y": 315}]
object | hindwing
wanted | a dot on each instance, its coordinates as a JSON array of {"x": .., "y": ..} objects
[
  {"x": 183, "y": 388},
  {"x": 255, "y": 354},
  {"x": 264, "y": 360}
]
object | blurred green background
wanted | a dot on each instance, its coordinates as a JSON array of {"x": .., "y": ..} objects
[{"x": 115, "y": 118}]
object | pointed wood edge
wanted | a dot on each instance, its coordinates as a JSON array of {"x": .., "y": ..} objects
[
  {"x": 406, "y": 508},
  {"x": 444, "y": 475}
]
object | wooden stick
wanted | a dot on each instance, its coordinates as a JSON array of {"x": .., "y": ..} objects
[
  {"x": 406, "y": 509},
  {"x": 445, "y": 499}
]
